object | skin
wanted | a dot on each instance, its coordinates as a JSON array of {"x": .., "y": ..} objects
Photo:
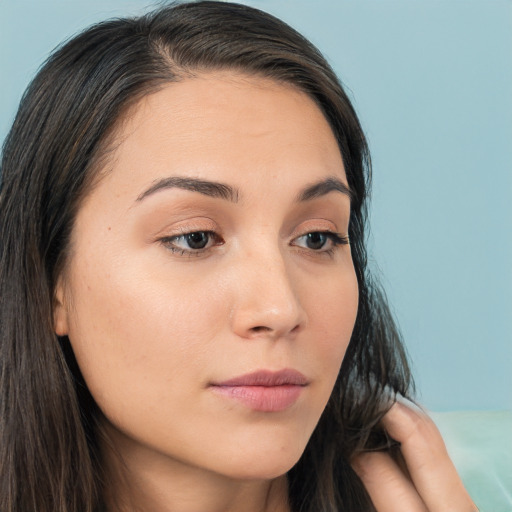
[
  {"x": 151, "y": 328},
  {"x": 154, "y": 322}
]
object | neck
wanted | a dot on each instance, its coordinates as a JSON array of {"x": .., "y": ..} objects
[{"x": 141, "y": 481}]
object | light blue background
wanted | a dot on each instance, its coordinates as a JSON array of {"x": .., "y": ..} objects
[{"x": 432, "y": 82}]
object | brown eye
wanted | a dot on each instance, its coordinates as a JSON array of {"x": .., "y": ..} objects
[
  {"x": 197, "y": 240},
  {"x": 320, "y": 241},
  {"x": 315, "y": 240},
  {"x": 193, "y": 243}
]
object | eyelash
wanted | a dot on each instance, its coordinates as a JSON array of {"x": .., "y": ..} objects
[
  {"x": 170, "y": 240},
  {"x": 336, "y": 239}
]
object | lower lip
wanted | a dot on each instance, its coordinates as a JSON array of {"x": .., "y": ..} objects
[{"x": 262, "y": 398}]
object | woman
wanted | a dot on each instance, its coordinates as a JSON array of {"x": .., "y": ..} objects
[{"x": 187, "y": 321}]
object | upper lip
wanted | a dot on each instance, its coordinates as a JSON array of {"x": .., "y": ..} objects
[{"x": 267, "y": 378}]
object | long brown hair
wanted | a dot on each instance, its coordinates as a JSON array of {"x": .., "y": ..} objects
[{"x": 49, "y": 456}]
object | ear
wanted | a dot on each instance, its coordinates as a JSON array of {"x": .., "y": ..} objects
[{"x": 60, "y": 312}]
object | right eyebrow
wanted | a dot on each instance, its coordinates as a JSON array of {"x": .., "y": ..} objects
[{"x": 205, "y": 187}]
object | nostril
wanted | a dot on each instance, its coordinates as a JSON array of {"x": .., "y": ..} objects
[
  {"x": 263, "y": 329},
  {"x": 295, "y": 329},
  {"x": 260, "y": 328}
]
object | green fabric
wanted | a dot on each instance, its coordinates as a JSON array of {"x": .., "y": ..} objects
[{"x": 480, "y": 445}]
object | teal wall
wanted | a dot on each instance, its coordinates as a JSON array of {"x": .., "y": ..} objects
[{"x": 432, "y": 82}]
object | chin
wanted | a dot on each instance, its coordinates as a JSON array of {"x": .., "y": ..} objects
[{"x": 263, "y": 464}]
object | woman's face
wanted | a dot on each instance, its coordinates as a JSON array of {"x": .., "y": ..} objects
[{"x": 209, "y": 294}]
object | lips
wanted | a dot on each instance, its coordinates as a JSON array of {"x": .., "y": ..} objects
[{"x": 264, "y": 391}]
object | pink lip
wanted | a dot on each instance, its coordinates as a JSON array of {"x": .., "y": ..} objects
[{"x": 264, "y": 390}]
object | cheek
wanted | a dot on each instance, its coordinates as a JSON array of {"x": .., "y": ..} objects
[
  {"x": 137, "y": 335},
  {"x": 332, "y": 312},
  {"x": 333, "y": 307}
]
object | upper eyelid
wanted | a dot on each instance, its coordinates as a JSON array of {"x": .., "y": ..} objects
[
  {"x": 187, "y": 226},
  {"x": 314, "y": 226},
  {"x": 315, "y": 223}
]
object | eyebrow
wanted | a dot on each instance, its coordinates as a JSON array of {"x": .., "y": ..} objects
[
  {"x": 205, "y": 187},
  {"x": 323, "y": 187},
  {"x": 223, "y": 191}
]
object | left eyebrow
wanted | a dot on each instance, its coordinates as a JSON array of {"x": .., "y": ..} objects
[{"x": 322, "y": 188}]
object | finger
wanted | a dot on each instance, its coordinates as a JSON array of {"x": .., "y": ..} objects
[
  {"x": 388, "y": 487},
  {"x": 428, "y": 462}
]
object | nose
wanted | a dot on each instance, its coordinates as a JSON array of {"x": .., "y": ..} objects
[{"x": 267, "y": 303}]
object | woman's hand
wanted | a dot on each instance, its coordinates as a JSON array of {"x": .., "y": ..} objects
[{"x": 422, "y": 478}]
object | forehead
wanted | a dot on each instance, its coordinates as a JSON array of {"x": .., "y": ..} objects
[{"x": 225, "y": 126}]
